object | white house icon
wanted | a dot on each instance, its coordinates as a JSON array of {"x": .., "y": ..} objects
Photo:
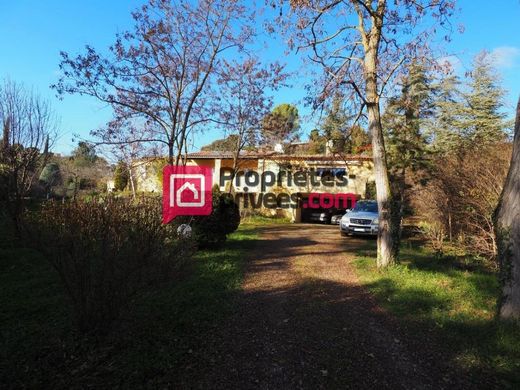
[
  {"x": 198, "y": 194},
  {"x": 189, "y": 186}
]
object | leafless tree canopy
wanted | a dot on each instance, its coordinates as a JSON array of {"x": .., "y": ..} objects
[
  {"x": 162, "y": 72},
  {"x": 360, "y": 45},
  {"x": 29, "y": 126}
]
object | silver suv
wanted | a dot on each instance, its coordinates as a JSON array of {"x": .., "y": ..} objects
[{"x": 362, "y": 219}]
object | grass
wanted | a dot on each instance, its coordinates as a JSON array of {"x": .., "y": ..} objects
[
  {"x": 452, "y": 300},
  {"x": 38, "y": 347},
  {"x": 258, "y": 219}
]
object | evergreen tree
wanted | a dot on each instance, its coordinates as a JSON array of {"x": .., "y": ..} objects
[
  {"x": 51, "y": 174},
  {"x": 337, "y": 127},
  {"x": 407, "y": 148},
  {"x": 405, "y": 120},
  {"x": 281, "y": 125},
  {"x": 317, "y": 142},
  {"x": 484, "y": 121},
  {"x": 121, "y": 176},
  {"x": 357, "y": 141},
  {"x": 472, "y": 117},
  {"x": 445, "y": 130},
  {"x": 228, "y": 144},
  {"x": 84, "y": 155}
]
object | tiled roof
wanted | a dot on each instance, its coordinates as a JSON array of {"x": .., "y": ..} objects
[
  {"x": 209, "y": 154},
  {"x": 278, "y": 156}
]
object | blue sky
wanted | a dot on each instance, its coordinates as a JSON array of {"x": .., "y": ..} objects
[{"x": 33, "y": 32}]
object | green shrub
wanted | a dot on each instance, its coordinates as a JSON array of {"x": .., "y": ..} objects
[
  {"x": 121, "y": 176},
  {"x": 51, "y": 175},
  {"x": 106, "y": 251},
  {"x": 370, "y": 190},
  {"x": 229, "y": 213},
  {"x": 211, "y": 231},
  {"x": 435, "y": 234}
]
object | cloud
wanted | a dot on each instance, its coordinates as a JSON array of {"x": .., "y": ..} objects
[
  {"x": 505, "y": 56},
  {"x": 453, "y": 62}
]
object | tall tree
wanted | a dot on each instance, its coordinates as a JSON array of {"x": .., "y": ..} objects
[
  {"x": 404, "y": 123},
  {"x": 50, "y": 177},
  {"x": 469, "y": 113},
  {"x": 245, "y": 102},
  {"x": 444, "y": 131},
  {"x": 342, "y": 136},
  {"x": 335, "y": 125},
  {"x": 28, "y": 122},
  {"x": 361, "y": 44},
  {"x": 484, "y": 120},
  {"x": 508, "y": 233},
  {"x": 281, "y": 125},
  {"x": 84, "y": 154},
  {"x": 162, "y": 71},
  {"x": 227, "y": 144}
]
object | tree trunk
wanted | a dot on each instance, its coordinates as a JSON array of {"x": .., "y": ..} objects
[
  {"x": 507, "y": 220},
  {"x": 131, "y": 178},
  {"x": 399, "y": 216},
  {"x": 386, "y": 254},
  {"x": 385, "y": 239},
  {"x": 450, "y": 228},
  {"x": 170, "y": 153}
]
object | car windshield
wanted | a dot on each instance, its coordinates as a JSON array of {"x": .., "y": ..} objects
[{"x": 366, "y": 206}]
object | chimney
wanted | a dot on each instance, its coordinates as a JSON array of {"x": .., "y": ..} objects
[
  {"x": 329, "y": 148},
  {"x": 278, "y": 148}
]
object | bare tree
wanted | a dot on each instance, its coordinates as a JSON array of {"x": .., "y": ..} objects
[
  {"x": 29, "y": 126},
  {"x": 163, "y": 70},
  {"x": 121, "y": 143},
  {"x": 508, "y": 233},
  {"x": 461, "y": 195},
  {"x": 245, "y": 102},
  {"x": 361, "y": 45}
]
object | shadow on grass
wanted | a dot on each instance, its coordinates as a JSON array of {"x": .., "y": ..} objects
[
  {"x": 454, "y": 305},
  {"x": 282, "y": 337},
  {"x": 39, "y": 347},
  {"x": 203, "y": 331}
]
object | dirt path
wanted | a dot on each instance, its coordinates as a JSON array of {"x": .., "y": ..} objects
[{"x": 303, "y": 321}]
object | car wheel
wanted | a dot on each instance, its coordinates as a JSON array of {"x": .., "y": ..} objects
[{"x": 343, "y": 234}]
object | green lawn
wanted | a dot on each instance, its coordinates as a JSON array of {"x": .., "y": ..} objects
[
  {"x": 38, "y": 347},
  {"x": 454, "y": 301}
]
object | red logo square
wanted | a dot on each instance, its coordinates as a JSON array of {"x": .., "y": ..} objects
[{"x": 186, "y": 191}]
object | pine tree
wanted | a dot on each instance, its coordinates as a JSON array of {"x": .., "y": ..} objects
[
  {"x": 405, "y": 119},
  {"x": 484, "y": 121},
  {"x": 335, "y": 125},
  {"x": 338, "y": 128},
  {"x": 445, "y": 130},
  {"x": 281, "y": 125},
  {"x": 403, "y": 123}
]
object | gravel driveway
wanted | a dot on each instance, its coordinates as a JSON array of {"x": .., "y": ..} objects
[{"x": 302, "y": 321}]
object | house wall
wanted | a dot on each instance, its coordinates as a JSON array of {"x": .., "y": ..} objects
[
  {"x": 147, "y": 177},
  {"x": 358, "y": 173}
]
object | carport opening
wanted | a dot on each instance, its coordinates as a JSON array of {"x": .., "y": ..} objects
[{"x": 323, "y": 214}]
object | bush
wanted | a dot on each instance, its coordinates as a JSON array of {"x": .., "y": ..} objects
[
  {"x": 211, "y": 231},
  {"x": 435, "y": 234},
  {"x": 50, "y": 176},
  {"x": 121, "y": 176},
  {"x": 228, "y": 212},
  {"x": 106, "y": 251},
  {"x": 461, "y": 198}
]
